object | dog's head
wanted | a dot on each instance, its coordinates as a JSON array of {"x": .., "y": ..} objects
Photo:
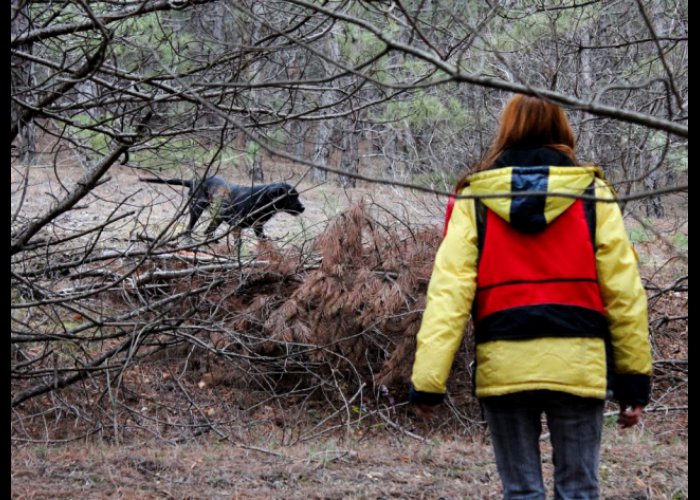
[{"x": 285, "y": 198}]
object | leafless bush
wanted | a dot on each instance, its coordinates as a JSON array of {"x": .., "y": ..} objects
[
  {"x": 338, "y": 324},
  {"x": 211, "y": 86}
]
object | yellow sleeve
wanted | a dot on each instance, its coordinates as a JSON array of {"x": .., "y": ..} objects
[
  {"x": 449, "y": 301},
  {"x": 625, "y": 301}
]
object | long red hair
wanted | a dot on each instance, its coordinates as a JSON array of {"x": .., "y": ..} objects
[{"x": 528, "y": 122}]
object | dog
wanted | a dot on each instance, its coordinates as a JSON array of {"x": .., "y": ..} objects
[{"x": 239, "y": 206}]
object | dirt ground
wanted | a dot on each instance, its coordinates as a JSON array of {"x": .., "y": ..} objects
[
  {"x": 634, "y": 466},
  {"x": 147, "y": 209},
  {"x": 377, "y": 462}
]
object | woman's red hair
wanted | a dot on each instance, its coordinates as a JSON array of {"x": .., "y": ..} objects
[{"x": 528, "y": 122}]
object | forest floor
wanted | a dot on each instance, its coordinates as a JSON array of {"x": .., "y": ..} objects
[
  {"x": 401, "y": 457},
  {"x": 635, "y": 464}
]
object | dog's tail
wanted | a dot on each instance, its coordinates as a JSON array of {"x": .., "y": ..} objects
[{"x": 172, "y": 182}]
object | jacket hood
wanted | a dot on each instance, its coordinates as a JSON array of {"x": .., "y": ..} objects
[{"x": 529, "y": 213}]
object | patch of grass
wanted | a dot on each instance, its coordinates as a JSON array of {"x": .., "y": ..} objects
[
  {"x": 639, "y": 235},
  {"x": 168, "y": 154},
  {"x": 680, "y": 242},
  {"x": 679, "y": 494},
  {"x": 331, "y": 203},
  {"x": 299, "y": 231},
  {"x": 437, "y": 179},
  {"x": 610, "y": 421},
  {"x": 40, "y": 452}
]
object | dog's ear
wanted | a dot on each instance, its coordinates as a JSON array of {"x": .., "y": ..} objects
[
  {"x": 291, "y": 191},
  {"x": 278, "y": 191}
]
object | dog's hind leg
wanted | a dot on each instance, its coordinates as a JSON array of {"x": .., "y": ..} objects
[
  {"x": 196, "y": 210},
  {"x": 237, "y": 231},
  {"x": 211, "y": 228},
  {"x": 258, "y": 228}
]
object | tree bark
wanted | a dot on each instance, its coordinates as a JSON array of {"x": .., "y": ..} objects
[
  {"x": 21, "y": 83},
  {"x": 350, "y": 154}
]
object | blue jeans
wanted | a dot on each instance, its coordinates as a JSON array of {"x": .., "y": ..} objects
[{"x": 575, "y": 426}]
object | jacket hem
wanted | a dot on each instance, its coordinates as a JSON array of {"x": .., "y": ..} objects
[{"x": 597, "y": 393}]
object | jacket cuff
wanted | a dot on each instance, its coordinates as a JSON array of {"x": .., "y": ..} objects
[
  {"x": 632, "y": 388},
  {"x": 424, "y": 398}
]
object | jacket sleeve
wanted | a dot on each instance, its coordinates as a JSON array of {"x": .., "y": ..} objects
[
  {"x": 448, "y": 213},
  {"x": 625, "y": 304},
  {"x": 448, "y": 304}
]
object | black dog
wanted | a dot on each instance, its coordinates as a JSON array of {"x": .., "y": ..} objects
[{"x": 239, "y": 206}]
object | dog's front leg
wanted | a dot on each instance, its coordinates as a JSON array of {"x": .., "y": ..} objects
[
  {"x": 236, "y": 231},
  {"x": 258, "y": 228},
  {"x": 196, "y": 209},
  {"x": 211, "y": 228}
]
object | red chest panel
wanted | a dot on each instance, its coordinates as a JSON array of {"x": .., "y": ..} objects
[{"x": 554, "y": 266}]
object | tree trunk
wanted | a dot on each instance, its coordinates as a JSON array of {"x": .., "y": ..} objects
[
  {"x": 389, "y": 151},
  {"x": 350, "y": 154},
  {"x": 584, "y": 141},
  {"x": 326, "y": 128},
  {"x": 653, "y": 206},
  {"x": 254, "y": 162},
  {"x": 21, "y": 84},
  {"x": 322, "y": 148},
  {"x": 298, "y": 128}
]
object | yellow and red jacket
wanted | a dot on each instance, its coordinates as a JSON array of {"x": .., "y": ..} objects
[{"x": 553, "y": 285}]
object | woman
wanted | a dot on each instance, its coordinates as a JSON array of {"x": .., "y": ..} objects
[{"x": 559, "y": 310}]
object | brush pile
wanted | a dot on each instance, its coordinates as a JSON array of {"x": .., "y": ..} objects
[{"x": 350, "y": 315}]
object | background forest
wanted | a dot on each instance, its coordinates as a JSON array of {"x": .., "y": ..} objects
[{"x": 124, "y": 333}]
